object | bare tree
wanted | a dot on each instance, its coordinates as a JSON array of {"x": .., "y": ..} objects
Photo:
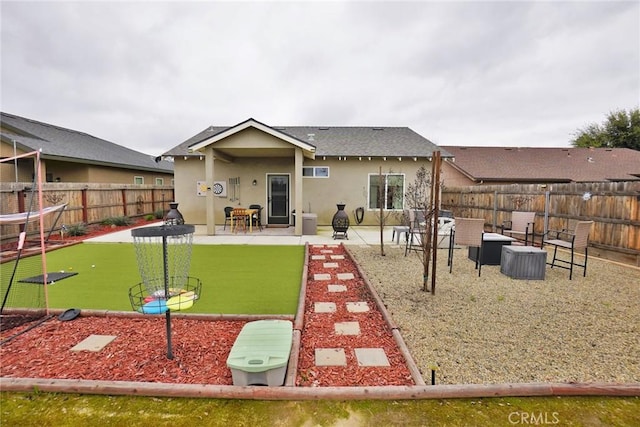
[{"x": 423, "y": 196}]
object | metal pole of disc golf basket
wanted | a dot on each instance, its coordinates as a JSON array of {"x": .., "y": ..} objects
[{"x": 163, "y": 254}]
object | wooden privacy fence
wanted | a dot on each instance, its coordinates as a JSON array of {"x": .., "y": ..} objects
[
  {"x": 86, "y": 203},
  {"x": 613, "y": 206}
]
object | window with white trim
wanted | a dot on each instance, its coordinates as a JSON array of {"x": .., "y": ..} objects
[
  {"x": 159, "y": 181},
  {"x": 138, "y": 180},
  {"x": 315, "y": 171},
  {"x": 392, "y": 195}
]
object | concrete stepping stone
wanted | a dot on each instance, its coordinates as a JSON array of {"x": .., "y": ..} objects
[
  {"x": 330, "y": 265},
  {"x": 357, "y": 307},
  {"x": 336, "y": 288},
  {"x": 324, "y": 307},
  {"x": 347, "y": 328},
  {"x": 322, "y": 276},
  {"x": 337, "y": 256},
  {"x": 371, "y": 357},
  {"x": 331, "y": 357},
  {"x": 318, "y": 257},
  {"x": 346, "y": 276},
  {"x": 327, "y": 251},
  {"x": 94, "y": 343}
]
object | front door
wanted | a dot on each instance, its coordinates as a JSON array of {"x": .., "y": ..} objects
[{"x": 278, "y": 199}]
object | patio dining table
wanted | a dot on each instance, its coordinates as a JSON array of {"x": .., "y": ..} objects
[{"x": 244, "y": 215}]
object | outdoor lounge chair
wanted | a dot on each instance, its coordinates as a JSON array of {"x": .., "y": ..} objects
[
  {"x": 467, "y": 232},
  {"x": 520, "y": 227},
  {"x": 572, "y": 241}
]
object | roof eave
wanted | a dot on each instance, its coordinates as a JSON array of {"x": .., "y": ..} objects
[{"x": 45, "y": 156}]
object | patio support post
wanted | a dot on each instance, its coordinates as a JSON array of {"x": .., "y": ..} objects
[
  {"x": 297, "y": 189},
  {"x": 209, "y": 162}
]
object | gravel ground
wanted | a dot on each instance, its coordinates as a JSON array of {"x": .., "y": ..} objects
[{"x": 495, "y": 329}]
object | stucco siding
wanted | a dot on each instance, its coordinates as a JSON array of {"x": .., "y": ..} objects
[{"x": 347, "y": 183}]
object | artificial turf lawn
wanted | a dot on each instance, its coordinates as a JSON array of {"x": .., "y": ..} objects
[{"x": 236, "y": 279}]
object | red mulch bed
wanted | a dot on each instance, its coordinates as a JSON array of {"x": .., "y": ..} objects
[
  {"x": 318, "y": 332},
  {"x": 200, "y": 347},
  {"x": 96, "y": 230}
]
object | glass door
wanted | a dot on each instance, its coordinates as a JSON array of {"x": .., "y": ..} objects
[{"x": 278, "y": 199}]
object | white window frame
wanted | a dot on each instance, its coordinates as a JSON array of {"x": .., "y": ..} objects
[
  {"x": 138, "y": 178},
  {"x": 314, "y": 173},
  {"x": 372, "y": 197},
  {"x": 159, "y": 181}
]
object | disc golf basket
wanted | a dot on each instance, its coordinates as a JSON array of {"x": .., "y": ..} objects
[{"x": 164, "y": 256}]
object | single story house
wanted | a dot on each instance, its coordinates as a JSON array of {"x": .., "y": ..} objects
[
  {"x": 293, "y": 169},
  {"x": 522, "y": 165},
  {"x": 72, "y": 156}
]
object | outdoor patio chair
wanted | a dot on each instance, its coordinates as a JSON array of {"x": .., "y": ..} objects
[
  {"x": 403, "y": 228},
  {"x": 227, "y": 216},
  {"x": 257, "y": 217},
  {"x": 520, "y": 227},
  {"x": 416, "y": 233},
  {"x": 571, "y": 240},
  {"x": 467, "y": 232}
]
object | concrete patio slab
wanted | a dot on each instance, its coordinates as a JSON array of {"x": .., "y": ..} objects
[
  {"x": 331, "y": 357},
  {"x": 371, "y": 357},
  {"x": 94, "y": 343},
  {"x": 362, "y": 235}
]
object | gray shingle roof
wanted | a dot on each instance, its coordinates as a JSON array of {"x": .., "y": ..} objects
[
  {"x": 74, "y": 146},
  {"x": 342, "y": 141},
  {"x": 514, "y": 164}
]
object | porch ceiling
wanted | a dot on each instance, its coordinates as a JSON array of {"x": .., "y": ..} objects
[{"x": 232, "y": 153}]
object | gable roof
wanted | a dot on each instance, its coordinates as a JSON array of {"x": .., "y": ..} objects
[
  {"x": 251, "y": 123},
  {"x": 513, "y": 164},
  {"x": 332, "y": 141},
  {"x": 68, "y": 145}
]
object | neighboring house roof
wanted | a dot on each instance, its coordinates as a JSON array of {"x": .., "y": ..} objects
[
  {"x": 514, "y": 164},
  {"x": 330, "y": 140},
  {"x": 68, "y": 145}
]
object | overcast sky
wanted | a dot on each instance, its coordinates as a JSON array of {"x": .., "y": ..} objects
[{"x": 149, "y": 75}]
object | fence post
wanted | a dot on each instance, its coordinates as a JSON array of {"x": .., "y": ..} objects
[
  {"x": 547, "y": 201},
  {"x": 124, "y": 201},
  {"x": 85, "y": 213},
  {"x": 495, "y": 210}
]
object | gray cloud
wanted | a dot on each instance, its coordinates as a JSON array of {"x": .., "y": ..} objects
[{"x": 149, "y": 75}]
